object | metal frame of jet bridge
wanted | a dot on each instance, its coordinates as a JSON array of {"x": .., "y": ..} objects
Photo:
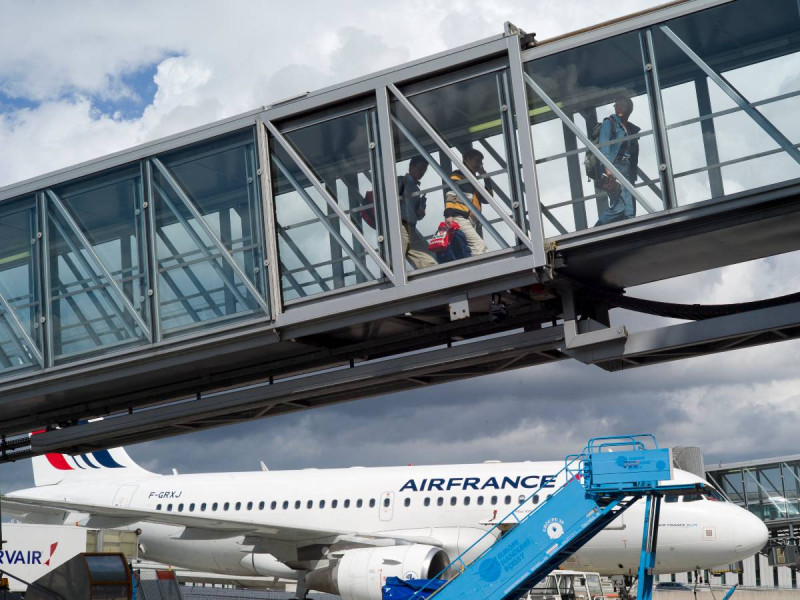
[{"x": 256, "y": 266}]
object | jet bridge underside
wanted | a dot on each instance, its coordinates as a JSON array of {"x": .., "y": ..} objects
[
  {"x": 584, "y": 339},
  {"x": 747, "y": 227}
]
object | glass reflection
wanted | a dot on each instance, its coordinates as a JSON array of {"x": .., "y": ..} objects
[
  {"x": 210, "y": 272},
  {"x": 472, "y": 117},
  {"x": 717, "y": 148},
  {"x": 96, "y": 229},
  {"x": 318, "y": 252},
  {"x": 20, "y": 307},
  {"x": 601, "y": 88}
]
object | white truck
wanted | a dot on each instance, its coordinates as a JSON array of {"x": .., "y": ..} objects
[{"x": 30, "y": 551}]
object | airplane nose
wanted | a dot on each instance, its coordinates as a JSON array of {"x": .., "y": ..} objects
[{"x": 750, "y": 534}]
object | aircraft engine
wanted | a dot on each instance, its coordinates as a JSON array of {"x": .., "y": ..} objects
[{"x": 360, "y": 573}]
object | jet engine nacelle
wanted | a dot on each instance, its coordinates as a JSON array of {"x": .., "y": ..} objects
[{"x": 361, "y": 573}]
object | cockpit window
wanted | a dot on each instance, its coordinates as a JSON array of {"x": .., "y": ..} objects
[
  {"x": 692, "y": 497},
  {"x": 671, "y": 498}
]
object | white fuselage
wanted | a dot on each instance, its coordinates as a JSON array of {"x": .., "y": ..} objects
[{"x": 450, "y": 503}]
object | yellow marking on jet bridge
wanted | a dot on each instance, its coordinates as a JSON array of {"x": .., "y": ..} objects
[
  {"x": 14, "y": 257},
  {"x": 534, "y": 112}
]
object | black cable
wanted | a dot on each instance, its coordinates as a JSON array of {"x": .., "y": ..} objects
[{"x": 687, "y": 312}]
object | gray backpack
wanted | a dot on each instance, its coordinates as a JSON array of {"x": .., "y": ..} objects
[{"x": 594, "y": 168}]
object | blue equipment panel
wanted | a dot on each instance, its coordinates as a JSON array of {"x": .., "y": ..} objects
[
  {"x": 626, "y": 469},
  {"x": 524, "y": 556},
  {"x": 404, "y": 589},
  {"x": 600, "y": 486}
]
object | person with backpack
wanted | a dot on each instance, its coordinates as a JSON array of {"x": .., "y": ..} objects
[
  {"x": 412, "y": 210},
  {"x": 624, "y": 155},
  {"x": 456, "y": 211}
]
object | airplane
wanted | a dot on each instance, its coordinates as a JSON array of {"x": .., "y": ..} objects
[{"x": 344, "y": 531}]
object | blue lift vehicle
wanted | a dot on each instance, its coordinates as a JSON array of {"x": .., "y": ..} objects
[{"x": 605, "y": 479}]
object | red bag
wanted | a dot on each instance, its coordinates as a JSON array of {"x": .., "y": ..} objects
[
  {"x": 368, "y": 213},
  {"x": 441, "y": 239}
]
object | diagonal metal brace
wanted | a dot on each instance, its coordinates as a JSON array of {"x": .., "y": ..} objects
[
  {"x": 84, "y": 242},
  {"x": 734, "y": 95},
  {"x": 623, "y": 181},
  {"x": 223, "y": 251},
  {"x": 456, "y": 189},
  {"x": 323, "y": 219},
  {"x": 15, "y": 324},
  {"x": 331, "y": 202},
  {"x": 476, "y": 184}
]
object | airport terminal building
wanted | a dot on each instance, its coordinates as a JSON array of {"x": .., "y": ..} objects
[{"x": 770, "y": 489}]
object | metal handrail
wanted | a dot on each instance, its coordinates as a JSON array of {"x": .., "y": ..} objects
[
  {"x": 569, "y": 471},
  {"x": 459, "y": 558}
]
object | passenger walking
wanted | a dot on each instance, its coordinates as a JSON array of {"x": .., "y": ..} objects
[
  {"x": 463, "y": 214},
  {"x": 624, "y": 155},
  {"x": 412, "y": 210}
]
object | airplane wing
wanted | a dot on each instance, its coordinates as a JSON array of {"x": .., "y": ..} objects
[
  {"x": 18, "y": 505},
  {"x": 280, "y": 539}
]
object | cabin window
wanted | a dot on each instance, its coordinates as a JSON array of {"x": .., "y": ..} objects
[
  {"x": 439, "y": 501},
  {"x": 494, "y": 499},
  {"x": 226, "y": 506},
  {"x": 335, "y": 503},
  {"x": 346, "y": 503},
  {"x": 427, "y": 502},
  {"x": 297, "y": 505},
  {"x": 359, "y": 503},
  {"x": 508, "y": 499},
  {"x": 310, "y": 504},
  {"x": 322, "y": 503},
  {"x": 285, "y": 504},
  {"x": 169, "y": 507},
  {"x": 261, "y": 505},
  {"x": 479, "y": 500},
  {"x": 249, "y": 506},
  {"x": 535, "y": 499},
  {"x": 214, "y": 506},
  {"x": 453, "y": 500},
  {"x": 158, "y": 507},
  {"x": 372, "y": 502},
  {"x": 466, "y": 500},
  {"x": 238, "y": 505},
  {"x": 386, "y": 502},
  {"x": 191, "y": 507},
  {"x": 180, "y": 507},
  {"x": 522, "y": 498},
  {"x": 273, "y": 505},
  {"x": 407, "y": 502},
  {"x": 203, "y": 507}
]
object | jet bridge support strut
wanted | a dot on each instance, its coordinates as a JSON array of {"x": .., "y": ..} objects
[{"x": 610, "y": 475}]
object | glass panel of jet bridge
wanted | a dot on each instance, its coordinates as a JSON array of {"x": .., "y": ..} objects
[
  {"x": 208, "y": 210},
  {"x": 472, "y": 116},
  {"x": 720, "y": 86},
  {"x": 318, "y": 252},
  {"x": 20, "y": 300},
  {"x": 717, "y": 148},
  {"x": 586, "y": 83},
  {"x": 96, "y": 258}
]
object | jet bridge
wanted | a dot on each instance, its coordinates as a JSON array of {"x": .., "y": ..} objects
[
  {"x": 257, "y": 266},
  {"x": 603, "y": 481}
]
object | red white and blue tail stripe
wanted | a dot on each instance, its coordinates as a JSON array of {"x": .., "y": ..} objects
[{"x": 53, "y": 468}]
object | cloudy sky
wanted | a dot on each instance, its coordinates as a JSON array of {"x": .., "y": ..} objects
[{"x": 80, "y": 80}]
